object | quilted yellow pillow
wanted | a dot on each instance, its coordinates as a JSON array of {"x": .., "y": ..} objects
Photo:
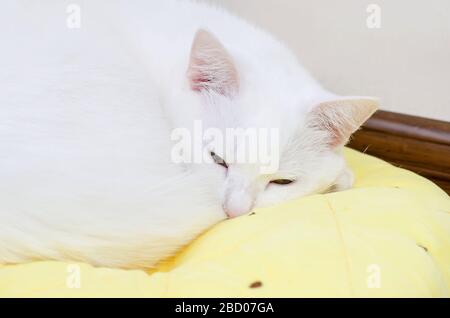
[{"x": 388, "y": 236}]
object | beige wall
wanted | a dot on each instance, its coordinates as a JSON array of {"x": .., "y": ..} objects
[{"x": 406, "y": 61}]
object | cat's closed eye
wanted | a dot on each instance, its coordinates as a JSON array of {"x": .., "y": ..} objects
[
  {"x": 282, "y": 181},
  {"x": 217, "y": 159}
]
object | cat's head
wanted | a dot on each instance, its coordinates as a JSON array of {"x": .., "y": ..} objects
[{"x": 304, "y": 126}]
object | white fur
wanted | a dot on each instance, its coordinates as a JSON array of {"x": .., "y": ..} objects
[{"x": 85, "y": 120}]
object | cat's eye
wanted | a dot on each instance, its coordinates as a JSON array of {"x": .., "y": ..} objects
[
  {"x": 282, "y": 181},
  {"x": 217, "y": 159}
]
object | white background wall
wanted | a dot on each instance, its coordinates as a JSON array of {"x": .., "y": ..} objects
[{"x": 406, "y": 61}]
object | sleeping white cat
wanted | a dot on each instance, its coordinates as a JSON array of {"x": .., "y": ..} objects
[{"x": 86, "y": 116}]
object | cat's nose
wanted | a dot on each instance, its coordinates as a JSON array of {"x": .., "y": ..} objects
[{"x": 237, "y": 205}]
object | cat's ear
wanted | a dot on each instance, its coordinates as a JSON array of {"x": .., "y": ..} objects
[
  {"x": 211, "y": 68},
  {"x": 339, "y": 118}
]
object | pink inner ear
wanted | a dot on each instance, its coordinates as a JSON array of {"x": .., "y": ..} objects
[
  {"x": 199, "y": 76},
  {"x": 327, "y": 120},
  {"x": 211, "y": 68},
  {"x": 198, "y": 80},
  {"x": 336, "y": 137},
  {"x": 341, "y": 118}
]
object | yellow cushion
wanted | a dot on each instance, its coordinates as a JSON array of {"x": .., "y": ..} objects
[{"x": 388, "y": 236}]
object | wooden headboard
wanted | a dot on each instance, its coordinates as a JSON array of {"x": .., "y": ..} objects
[{"x": 415, "y": 143}]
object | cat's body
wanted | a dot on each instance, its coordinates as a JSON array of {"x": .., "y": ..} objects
[{"x": 86, "y": 116}]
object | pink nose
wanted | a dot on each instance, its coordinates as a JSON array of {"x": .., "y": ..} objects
[
  {"x": 237, "y": 205},
  {"x": 232, "y": 213}
]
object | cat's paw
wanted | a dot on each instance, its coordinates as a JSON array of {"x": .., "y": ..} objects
[{"x": 344, "y": 181}]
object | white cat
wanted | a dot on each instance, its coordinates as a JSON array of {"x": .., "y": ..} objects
[{"x": 87, "y": 111}]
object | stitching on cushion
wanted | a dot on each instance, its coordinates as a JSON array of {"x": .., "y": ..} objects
[{"x": 344, "y": 247}]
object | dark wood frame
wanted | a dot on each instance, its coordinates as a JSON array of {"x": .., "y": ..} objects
[{"x": 415, "y": 143}]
